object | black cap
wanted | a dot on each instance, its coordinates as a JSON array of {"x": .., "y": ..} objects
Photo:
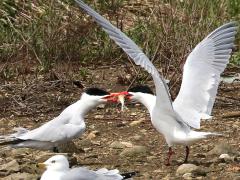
[
  {"x": 96, "y": 92},
  {"x": 142, "y": 89}
]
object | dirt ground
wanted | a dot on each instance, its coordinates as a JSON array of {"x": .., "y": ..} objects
[{"x": 29, "y": 102}]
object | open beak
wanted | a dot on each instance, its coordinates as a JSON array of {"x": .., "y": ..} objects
[
  {"x": 113, "y": 97},
  {"x": 41, "y": 166}
]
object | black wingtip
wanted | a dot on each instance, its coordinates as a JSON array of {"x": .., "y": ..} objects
[
  {"x": 129, "y": 174},
  {"x": 96, "y": 92},
  {"x": 12, "y": 142},
  {"x": 142, "y": 89}
]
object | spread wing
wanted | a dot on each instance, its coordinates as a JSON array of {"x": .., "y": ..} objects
[
  {"x": 201, "y": 75},
  {"x": 163, "y": 99}
]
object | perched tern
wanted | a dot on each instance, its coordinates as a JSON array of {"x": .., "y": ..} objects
[
  {"x": 57, "y": 168},
  {"x": 65, "y": 127},
  {"x": 200, "y": 81}
]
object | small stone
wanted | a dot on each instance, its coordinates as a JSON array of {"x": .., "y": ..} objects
[
  {"x": 134, "y": 151},
  {"x": 12, "y": 166},
  {"x": 87, "y": 149},
  {"x": 226, "y": 158},
  {"x": 137, "y": 137},
  {"x": 187, "y": 176},
  {"x": 167, "y": 177},
  {"x": 150, "y": 158},
  {"x": 101, "y": 106},
  {"x": 20, "y": 176},
  {"x": 68, "y": 147},
  {"x": 136, "y": 123},
  {"x": 99, "y": 116},
  {"x": 127, "y": 144},
  {"x": 98, "y": 143},
  {"x": 117, "y": 145},
  {"x": 133, "y": 114},
  {"x": 93, "y": 134},
  {"x": 222, "y": 148},
  {"x": 222, "y": 165},
  {"x": 186, "y": 168}
]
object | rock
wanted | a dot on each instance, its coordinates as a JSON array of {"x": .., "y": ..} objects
[
  {"x": 120, "y": 145},
  {"x": 93, "y": 134},
  {"x": 136, "y": 123},
  {"x": 226, "y": 158},
  {"x": 167, "y": 177},
  {"x": 134, "y": 151},
  {"x": 117, "y": 145},
  {"x": 150, "y": 158},
  {"x": 68, "y": 147},
  {"x": 187, "y": 176},
  {"x": 12, "y": 166},
  {"x": 222, "y": 148},
  {"x": 186, "y": 168},
  {"x": 99, "y": 116},
  {"x": 127, "y": 144},
  {"x": 21, "y": 176},
  {"x": 84, "y": 142},
  {"x": 137, "y": 137},
  {"x": 101, "y": 106}
]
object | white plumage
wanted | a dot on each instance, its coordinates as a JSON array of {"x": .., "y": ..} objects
[
  {"x": 65, "y": 127},
  {"x": 199, "y": 85},
  {"x": 58, "y": 169}
]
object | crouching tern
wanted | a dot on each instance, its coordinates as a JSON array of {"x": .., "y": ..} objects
[
  {"x": 57, "y": 168},
  {"x": 200, "y": 81},
  {"x": 65, "y": 127}
]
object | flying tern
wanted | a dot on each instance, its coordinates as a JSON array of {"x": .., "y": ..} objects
[
  {"x": 65, "y": 127},
  {"x": 57, "y": 168},
  {"x": 201, "y": 77}
]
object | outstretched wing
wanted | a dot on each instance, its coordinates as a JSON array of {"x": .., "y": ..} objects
[
  {"x": 201, "y": 75},
  {"x": 163, "y": 99}
]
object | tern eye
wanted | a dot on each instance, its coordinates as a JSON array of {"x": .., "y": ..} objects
[{"x": 53, "y": 161}]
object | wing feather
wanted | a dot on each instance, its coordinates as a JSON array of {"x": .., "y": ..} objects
[
  {"x": 201, "y": 75},
  {"x": 133, "y": 51}
]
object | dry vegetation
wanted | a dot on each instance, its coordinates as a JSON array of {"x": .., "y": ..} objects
[{"x": 38, "y": 36}]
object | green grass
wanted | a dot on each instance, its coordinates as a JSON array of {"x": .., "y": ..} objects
[{"x": 46, "y": 33}]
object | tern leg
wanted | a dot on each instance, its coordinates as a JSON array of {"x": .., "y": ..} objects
[
  {"x": 170, "y": 153},
  {"x": 187, "y": 153}
]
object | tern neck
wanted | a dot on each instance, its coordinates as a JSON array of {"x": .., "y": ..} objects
[
  {"x": 83, "y": 106},
  {"x": 148, "y": 100}
]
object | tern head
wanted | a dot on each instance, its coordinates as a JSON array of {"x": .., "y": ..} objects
[
  {"x": 99, "y": 96},
  {"x": 55, "y": 163},
  {"x": 136, "y": 93}
]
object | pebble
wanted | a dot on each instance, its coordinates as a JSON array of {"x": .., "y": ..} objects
[
  {"x": 136, "y": 123},
  {"x": 12, "y": 166},
  {"x": 134, "y": 151},
  {"x": 187, "y": 176},
  {"x": 188, "y": 168},
  {"x": 117, "y": 145},
  {"x": 226, "y": 158},
  {"x": 20, "y": 176},
  {"x": 222, "y": 148},
  {"x": 137, "y": 137},
  {"x": 93, "y": 134}
]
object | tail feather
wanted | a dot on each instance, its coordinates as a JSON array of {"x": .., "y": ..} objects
[
  {"x": 11, "y": 142},
  {"x": 13, "y": 139},
  {"x": 128, "y": 175},
  {"x": 110, "y": 173},
  {"x": 211, "y": 134}
]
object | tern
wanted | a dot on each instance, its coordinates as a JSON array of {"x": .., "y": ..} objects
[
  {"x": 201, "y": 77},
  {"x": 57, "y": 168},
  {"x": 65, "y": 127}
]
